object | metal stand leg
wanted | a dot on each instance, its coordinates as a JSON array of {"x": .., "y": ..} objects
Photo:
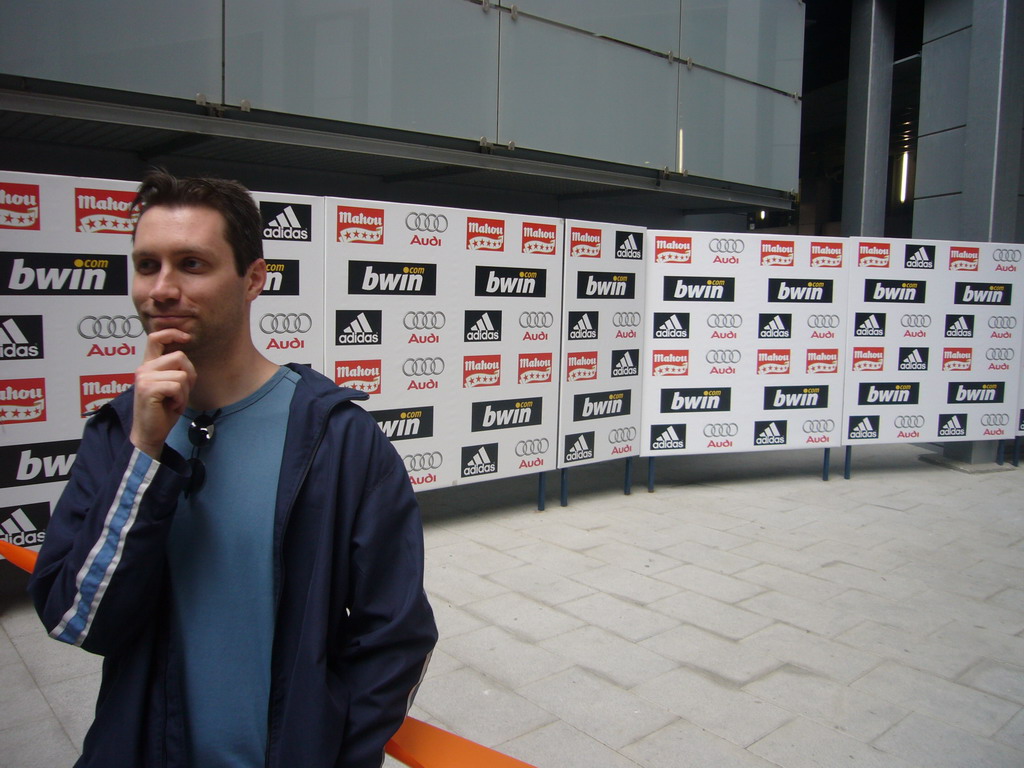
[
  {"x": 542, "y": 490},
  {"x": 825, "y": 464},
  {"x": 565, "y": 487},
  {"x": 1016, "y": 451},
  {"x": 1000, "y": 453},
  {"x": 650, "y": 474},
  {"x": 628, "y": 487},
  {"x": 849, "y": 461}
]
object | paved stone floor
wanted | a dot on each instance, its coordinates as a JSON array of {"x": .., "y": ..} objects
[{"x": 746, "y": 613}]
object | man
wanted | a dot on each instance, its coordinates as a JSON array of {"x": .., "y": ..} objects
[{"x": 239, "y": 540}]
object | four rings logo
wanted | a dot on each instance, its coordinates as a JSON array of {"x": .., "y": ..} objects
[
  {"x": 535, "y": 447},
  {"x": 1002, "y": 322},
  {"x": 916, "y": 321},
  {"x": 1006, "y": 259},
  {"x": 621, "y": 435},
  {"x": 818, "y": 426},
  {"x": 21, "y": 337},
  {"x": 424, "y": 321},
  {"x": 536, "y": 320},
  {"x": 626, "y": 319},
  {"x": 823, "y": 322},
  {"x": 995, "y": 419},
  {"x": 434, "y": 223},
  {"x": 110, "y": 327},
  {"x": 423, "y": 366},
  {"x": 723, "y": 356},
  {"x": 720, "y": 321},
  {"x": 908, "y": 421},
  {"x": 721, "y": 429},
  {"x": 726, "y": 245},
  {"x": 286, "y": 323},
  {"x": 423, "y": 462}
]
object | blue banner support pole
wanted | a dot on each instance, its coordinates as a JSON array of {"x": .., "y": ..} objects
[
  {"x": 1016, "y": 451},
  {"x": 628, "y": 486},
  {"x": 565, "y": 487},
  {"x": 849, "y": 461},
  {"x": 650, "y": 474},
  {"x": 542, "y": 490},
  {"x": 825, "y": 464},
  {"x": 1000, "y": 452}
]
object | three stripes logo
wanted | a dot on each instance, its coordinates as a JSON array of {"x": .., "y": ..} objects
[
  {"x": 959, "y": 326},
  {"x": 479, "y": 460},
  {"x": 583, "y": 326},
  {"x": 953, "y": 425},
  {"x": 775, "y": 326},
  {"x": 629, "y": 245},
  {"x": 354, "y": 326},
  {"x": 625, "y": 362},
  {"x": 919, "y": 257},
  {"x": 21, "y": 337},
  {"x": 913, "y": 358},
  {"x": 579, "y": 446},
  {"x": 869, "y": 324},
  {"x": 24, "y": 525},
  {"x": 668, "y": 437},
  {"x": 671, "y": 325},
  {"x": 483, "y": 325},
  {"x": 286, "y": 221},
  {"x": 770, "y": 432},
  {"x": 863, "y": 428}
]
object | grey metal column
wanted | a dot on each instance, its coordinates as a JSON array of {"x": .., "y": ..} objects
[{"x": 867, "y": 118}]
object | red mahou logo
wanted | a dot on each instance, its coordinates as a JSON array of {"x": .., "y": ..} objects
[
  {"x": 22, "y": 401},
  {"x": 19, "y": 206},
  {"x": 104, "y": 211}
]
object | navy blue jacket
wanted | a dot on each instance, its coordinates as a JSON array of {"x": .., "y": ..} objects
[{"x": 353, "y": 629}]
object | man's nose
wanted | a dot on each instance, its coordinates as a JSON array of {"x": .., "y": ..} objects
[{"x": 165, "y": 286}]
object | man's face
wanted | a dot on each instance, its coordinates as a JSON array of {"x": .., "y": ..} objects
[{"x": 185, "y": 277}]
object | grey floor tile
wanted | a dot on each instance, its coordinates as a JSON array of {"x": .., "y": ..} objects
[
  {"x": 626, "y": 584},
  {"x": 728, "y": 659},
  {"x": 504, "y": 657},
  {"x": 712, "y": 615},
  {"x": 524, "y": 617},
  {"x": 998, "y": 678},
  {"x": 39, "y": 744},
  {"x": 932, "y": 743},
  {"x": 610, "y": 656},
  {"x": 710, "y": 583},
  {"x": 622, "y": 617},
  {"x": 911, "y": 649},
  {"x": 541, "y": 584},
  {"x": 560, "y": 745},
  {"x": 813, "y": 652},
  {"x": 682, "y": 743},
  {"x": 806, "y": 744}
]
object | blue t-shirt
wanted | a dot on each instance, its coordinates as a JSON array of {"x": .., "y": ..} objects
[{"x": 221, "y": 564}]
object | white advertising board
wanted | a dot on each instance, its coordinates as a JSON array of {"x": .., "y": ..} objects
[
  {"x": 448, "y": 319},
  {"x": 933, "y": 337},
  {"x": 602, "y": 332},
  {"x": 744, "y": 342}
]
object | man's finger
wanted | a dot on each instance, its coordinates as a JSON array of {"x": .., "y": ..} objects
[{"x": 158, "y": 341}]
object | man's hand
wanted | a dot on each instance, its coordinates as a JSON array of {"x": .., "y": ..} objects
[{"x": 162, "y": 386}]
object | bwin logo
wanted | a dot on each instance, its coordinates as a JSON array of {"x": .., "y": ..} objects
[
  {"x": 37, "y": 463},
  {"x": 579, "y": 447},
  {"x": 629, "y": 245}
]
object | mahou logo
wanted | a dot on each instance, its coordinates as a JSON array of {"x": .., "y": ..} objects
[
  {"x": 670, "y": 362},
  {"x": 22, "y": 401},
  {"x": 773, "y": 361},
  {"x": 485, "y": 234},
  {"x": 585, "y": 243},
  {"x": 97, "y": 391},
  {"x": 778, "y": 253},
  {"x": 19, "y": 206},
  {"x": 822, "y": 361},
  {"x": 868, "y": 358},
  {"x": 581, "y": 366},
  {"x": 826, "y": 254},
  {"x": 481, "y": 371},
  {"x": 535, "y": 368},
  {"x": 363, "y": 375},
  {"x": 956, "y": 358},
  {"x": 673, "y": 250},
  {"x": 873, "y": 255},
  {"x": 540, "y": 238},
  {"x": 964, "y": 259},
  {"x": 105, "y": 211},
  {"x": 360, "y": 225}
]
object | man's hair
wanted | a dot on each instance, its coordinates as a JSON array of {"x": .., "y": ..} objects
[{"x": 242, "y": 223}]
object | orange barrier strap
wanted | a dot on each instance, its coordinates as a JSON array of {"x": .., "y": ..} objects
[
  {"x": 420, "y": 745},
  {"x": 19, "y": 556}
]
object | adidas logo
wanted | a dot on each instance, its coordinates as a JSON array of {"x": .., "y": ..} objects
[
  {"x": 770, "y": 434},
  {"x": 625, "y": 365},
  {"x": 286, "y": 226},
  {"x": 920, "y": 259},
  {"x": 953, "y": 425},
  {"x": 18, "y": 529},
  {"x": 775, "y": 328},
  {"x": 914, "y": 361},
  {"x": 671, "y": 328},
  {"x": 479, "y": 462},
  {"x": 629, "y": 248},
  {"x": 583, "y": 328},
  {"x": 483, "y": 330},
  {"x": 959, "y": 328},
  {"x": 870, "y": 327},
  {"x": 14, "y": 344},
  {"x": 865, "y": 429},
  {"x": 359, "y": 331},
  {"x": 580, "y": 450},
  {"x": 669, "y": 438}
]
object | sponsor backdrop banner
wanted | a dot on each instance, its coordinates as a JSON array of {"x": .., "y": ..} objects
[
  {"x": 744, "y": 342},
  {"x": 934, "y": 341},
  {"x": 602, "y": 334},
  {"x": 288, "y": 318},
  {"x": 69, "y": 337},
  {"x": 448, "y": 319}
]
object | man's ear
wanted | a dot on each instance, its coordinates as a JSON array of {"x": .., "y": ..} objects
[{"x": 256, "y": 278}]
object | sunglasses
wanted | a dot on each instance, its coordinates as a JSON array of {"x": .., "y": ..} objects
[{"x": 200, "y": 432}]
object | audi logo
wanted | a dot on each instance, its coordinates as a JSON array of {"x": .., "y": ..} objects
[
  {"x": 626, "y": 319},
  {"x": 997, "y": 322},
  {"x": 423, "y": 366},
  {"x": 424, "y": 321},
  {"x": 908, "y": 421},
  {"x": 536, "y": 320},
  {"x": 722, "y": 356},
  {"x": 110, "y": 327},
  {"x": 818, "y": 426},
  {"x": 1000, "y": 353},
  {"x": 286, "y": 323},
  {"x": 726, "y": 245},
  {"x": 995, "y": 419},
  {"x": 426, "y": 222},
  {"x": 622, "y": 435},
  {"x": 724, "y": 321},
  {"x": 534, "y": 447},
  {"x": 1006, "y": 255},
  {"x": 721, "y": 429},
  {"x": 823, "y": 321},
  {"x": 420, "y": 462},
  {"x": 916, "y": 321}
]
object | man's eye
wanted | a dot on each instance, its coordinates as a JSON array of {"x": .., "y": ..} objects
[
  {"x": 145, "y": 266},
  {"x": 193, "y": 265}
]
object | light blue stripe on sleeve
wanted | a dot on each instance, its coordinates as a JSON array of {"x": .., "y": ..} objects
[{"x": 105, "y": 556}]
